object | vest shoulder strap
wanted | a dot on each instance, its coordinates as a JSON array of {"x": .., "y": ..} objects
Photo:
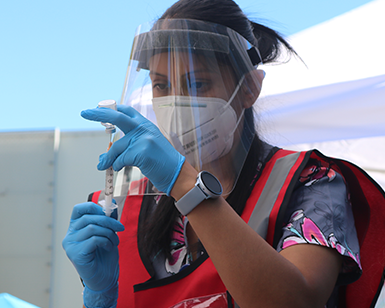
[{"x": 272, "y": 192}]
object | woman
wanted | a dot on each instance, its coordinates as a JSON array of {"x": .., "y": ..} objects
[{"x": 206, "y": 238}]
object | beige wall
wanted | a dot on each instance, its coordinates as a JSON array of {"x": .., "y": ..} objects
[{"x": 42, "y": 176}]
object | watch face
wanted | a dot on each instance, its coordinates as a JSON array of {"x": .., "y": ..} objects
[{"x": 211, "y": 183}]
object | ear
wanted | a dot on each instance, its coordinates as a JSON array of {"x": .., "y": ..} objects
[{"x": 251, "y": 87}]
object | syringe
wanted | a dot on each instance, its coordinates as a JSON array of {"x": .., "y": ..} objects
[{"x": 107, "y": 204}]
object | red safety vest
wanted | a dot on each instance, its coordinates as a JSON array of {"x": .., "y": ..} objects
[{"x": 264, "y": 212}]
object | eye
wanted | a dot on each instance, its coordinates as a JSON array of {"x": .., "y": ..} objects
[
  {"x": 199, "y": 86},
  {"x": 161, "y": 87}
]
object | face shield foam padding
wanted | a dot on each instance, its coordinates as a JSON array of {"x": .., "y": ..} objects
[{"x": 150, "y": 43}]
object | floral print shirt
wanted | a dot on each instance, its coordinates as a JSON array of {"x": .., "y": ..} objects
[{"x": 320, "y": 213}]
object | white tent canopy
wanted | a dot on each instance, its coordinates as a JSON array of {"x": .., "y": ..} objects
[
  {"x": 336, "y": 102},
  {"x": 348, "y": 47},
  {"x": 352, "y": 109}
]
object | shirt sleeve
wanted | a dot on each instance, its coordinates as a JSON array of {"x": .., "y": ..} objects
[{"x": 320, "y": 213}]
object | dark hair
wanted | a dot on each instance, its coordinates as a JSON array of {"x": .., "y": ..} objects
[
  {"x": 229, "y": 14},
  {"x": 156, "y": 228}
]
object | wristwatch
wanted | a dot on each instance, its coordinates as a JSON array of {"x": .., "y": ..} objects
[{"x": 207, "y": 186}]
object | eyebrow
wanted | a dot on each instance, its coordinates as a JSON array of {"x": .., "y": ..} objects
[{"x": 158, "y": 74}]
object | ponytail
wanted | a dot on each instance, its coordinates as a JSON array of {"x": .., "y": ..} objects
[{"x": 270, "y": 43}]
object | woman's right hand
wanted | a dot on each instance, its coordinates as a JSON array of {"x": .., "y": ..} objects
[
  {"x": 143, "y": 146},
  {"x": 91, "y": 243}
]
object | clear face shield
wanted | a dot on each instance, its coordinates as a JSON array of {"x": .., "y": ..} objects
[{"x": 193, "y": 80}]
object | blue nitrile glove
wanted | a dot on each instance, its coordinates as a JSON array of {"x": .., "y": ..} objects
[
  {"x": 91, "y": 245},
  {"x": 143, "y": 146}
]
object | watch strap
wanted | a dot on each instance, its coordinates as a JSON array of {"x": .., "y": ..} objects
[{"x": 190, "y": 200}]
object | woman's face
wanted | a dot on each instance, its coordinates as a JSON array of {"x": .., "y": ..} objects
[{"x": 188, "y": 75}]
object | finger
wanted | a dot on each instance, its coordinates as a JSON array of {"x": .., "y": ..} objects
[
  {"x": 128, "y": 110},
  {"x": 106, "y": 160},
  {"x": 137, "y": 153},
  {"x": 90, "y": 245},
  {"x": 97, "y": 231},
  {"x": 132, "y": 113},
  {"x": 102, "y": 221},
  {"x": 127, "y": 158},
  {"x": 89, "y": 208},
  {"x": 122, "y": 120}
]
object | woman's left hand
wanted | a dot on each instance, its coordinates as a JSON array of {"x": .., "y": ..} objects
[{"x": 143, "y": 146}]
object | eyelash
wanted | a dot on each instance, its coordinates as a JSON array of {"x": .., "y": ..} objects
[
  {"x": 160, "y": 85},
  {"x": 197, "y": 86}
]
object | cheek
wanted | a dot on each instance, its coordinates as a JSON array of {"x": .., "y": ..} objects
[
  {"x": 219, "y": 92},
  {"x": 222, "y": 88}
]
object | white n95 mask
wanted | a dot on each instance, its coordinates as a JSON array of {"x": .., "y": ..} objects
[{"x": 200, "y": 128}]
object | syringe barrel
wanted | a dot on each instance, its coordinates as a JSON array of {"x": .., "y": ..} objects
[
  {"x": 109, "y": 182},
  {"x": 108, "y": 206}
]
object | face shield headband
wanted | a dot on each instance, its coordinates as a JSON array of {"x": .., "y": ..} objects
[
  {"x": 187, "y": 77},
  {"x": 224, "y": 41}
]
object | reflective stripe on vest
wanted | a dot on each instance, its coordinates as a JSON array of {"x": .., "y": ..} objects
[{"x": 259, "y": 219}]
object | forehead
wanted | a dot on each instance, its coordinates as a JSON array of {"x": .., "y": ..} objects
[{"x": 170, "y": 62}]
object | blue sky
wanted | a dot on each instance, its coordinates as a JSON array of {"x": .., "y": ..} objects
[{"x": 60, "y": 57}]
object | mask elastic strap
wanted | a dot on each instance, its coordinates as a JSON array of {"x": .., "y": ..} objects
[
  {"x": 236, "y": 125},
  {"x": 229, "y": 102},
  {"x": 233, "y": 95}
]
